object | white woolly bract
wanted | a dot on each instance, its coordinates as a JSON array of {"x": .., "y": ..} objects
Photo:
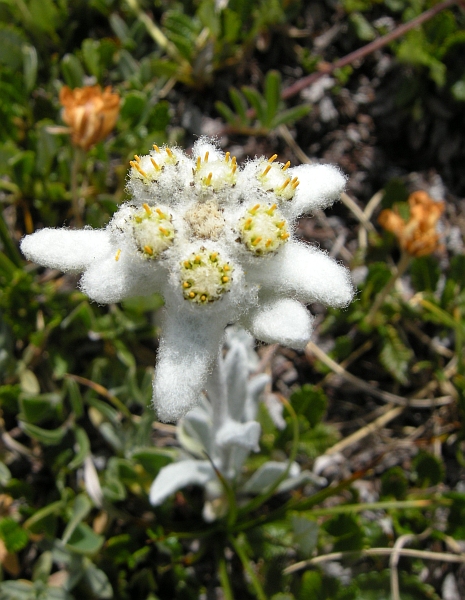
[{"x": 206, "y": 201}]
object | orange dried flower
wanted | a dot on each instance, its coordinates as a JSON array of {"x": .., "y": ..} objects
[
  {"x": 417, "y": 236},
  {"x": 90, "y": 113}
]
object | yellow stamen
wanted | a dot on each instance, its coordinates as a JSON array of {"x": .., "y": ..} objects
[
  {"x": 187, "y": 264},
  {"x": 295, "y": 182},
  {"x": 197, "y": 260},
  {"x": 256, "y": 241},
  {"x": 284, "y": 236},
  {"x": 135, "y": 165},
  {"x": 272, "y": 158},
  {"x": 118, "y": 254},
  {"x": 191, "y": 295},
  {"x": 186, "y": 285},
  {"x": 209, "y": 179},
  {"x": 271, "y": 210},
  {"x": 281, "y": 224},
  {"x": 254, "y": 209},
  {"x": 213, "y": 256},
  {"x": 203, "y": 297},
  {"x": 248, "y": 224},
  {"x": 233, "y": 170},
  {"x": 205, "y": 158},
  {"x": 138, "y": 219},
  {"x": 268, "y": 243},
  {"x": 147, "y": 208},
  {"x": 287, "y": 165},
  {"x": 148, "y": 250},
  {"x": 137, "y": 158},
  {"x": 164, "y": 231},
  {"x": 168, "y": 151},
  {"x": 285, "y": 184},
  {"x": 156, "y": 148},
  {"x": 155, "y": 164},
  {"x": 226, "y": 158},
  {"x": 225, "y": 279},
  {"x": 226, "y": 268},
  {"x": 265, "y": 172},
  {"x": 233, "y": 160},
  {"x": 197, "y": 166},
  {"x": 162, "y": 215}
]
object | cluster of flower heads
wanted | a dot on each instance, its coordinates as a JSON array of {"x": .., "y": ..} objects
[
  {"x": 217, "y": 241},
  {"x": 418, "y": 236}
]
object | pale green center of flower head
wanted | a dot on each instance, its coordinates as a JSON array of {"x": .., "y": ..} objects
[
  {"x": 263, "y": 229},
  {"x": 205, "y": 277},
  {"x": 215, "y": 174},
  {"x": 153, "y": 231},
  {"x": 149, "y": 168},
  {"x": 273, "y": 178}
]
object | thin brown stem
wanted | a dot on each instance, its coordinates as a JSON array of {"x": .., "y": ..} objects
[{"x": 363, "y": 52}]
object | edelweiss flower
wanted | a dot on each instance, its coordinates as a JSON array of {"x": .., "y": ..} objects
[
  {"x": 217, "y": 242},
  {"x": 90, "y": 113}
]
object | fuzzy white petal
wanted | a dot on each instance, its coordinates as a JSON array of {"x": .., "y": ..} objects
[
  {"x": 319, "y": 187},
  {"x": 282, "y": 321},
  {"x": 110, "y": 280},
  {"x": 189, "y": 345},
  {"x": 194, "y": 430},
  {"x": 176, "y": 476},
  {"x": 309, "y": 275},
  {"x": 267, "y": 475},
  {"x": 66, "y": 249},
  {"x": 244, "y": 435},
  {"x": 236, "y": 374}
]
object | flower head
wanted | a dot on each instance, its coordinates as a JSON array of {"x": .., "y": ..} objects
[
  {"x": 418, "y": 236},
  {"x": 217, "y": 242},
  {"x": 90, "y": 113}
]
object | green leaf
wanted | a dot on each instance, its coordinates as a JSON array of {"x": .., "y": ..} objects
[
  {"x": 5, "y": 474},
  {"x": 272, "y": 95},
  {"x": 13, "y": 535},
  {"x": 119, "y": 27},
  {"x": 83, "y": 448},
  {"x": 47, "y": 147},
  {"x": 257, "y": 101},
  {"x": 394, "y": 483},
  {"x": 49, "y": 437},
  {"x": 395, "y": 356},
  {"x": 362, "y": 27},
  {"x": 226, "y": 112},
  {"x": 81, "y": 508},
  {"x": 346, "y": 531},
  {"x": 290, "y": 116},
  {"x": 311, "y": 586},
  {"x": 425, "y": 273},
  {"x": 153, "y": 459},
  {"x": 98, "y": 582},
  {"x": 35, "y": 409},
  {"x": 72, "y": 70},
  {"x": 134, "y": 107},
  {"x": 305, "y": 534},
  {"x": 44, "y": 14},
  {"x": 30, "y": 64},
  {"x": 427, "y": 469},
  {"x": 240, "y": 105},
  {"x": 91, "y": 55},
  {"x": 84, "y": 540},
  {"x": 11, "y": 47},
  {"x": 310, "y": 402}
]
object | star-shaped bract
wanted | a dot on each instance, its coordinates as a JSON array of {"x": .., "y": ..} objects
[{"x": 217, "y": 242}]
